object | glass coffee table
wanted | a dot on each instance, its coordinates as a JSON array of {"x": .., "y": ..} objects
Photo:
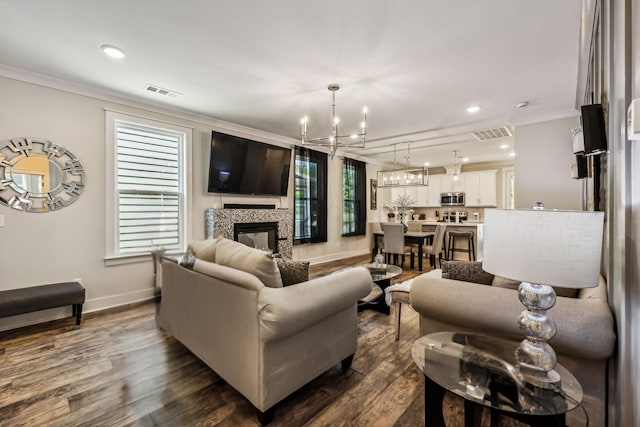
[
  {"x": 375, "y": 299},
  {"x": 481, "y": 370}
]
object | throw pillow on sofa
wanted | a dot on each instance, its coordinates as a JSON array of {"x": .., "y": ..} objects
[
  {"x": 466, "y": 271},
  {"x": 205, "y": 249},
  {"x": 292, "y": 272},
  {"x": 241, "y": 257}
]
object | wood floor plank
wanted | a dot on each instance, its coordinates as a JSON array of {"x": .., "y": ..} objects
[{"x": 120, "y": 369}]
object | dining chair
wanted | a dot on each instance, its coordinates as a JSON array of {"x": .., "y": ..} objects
[
  {"x": 394, "y": 242},
  {"x": 376, "y": 227},
  {"x": 437, "y": 245},
  {"x": 415, "y": 226}
]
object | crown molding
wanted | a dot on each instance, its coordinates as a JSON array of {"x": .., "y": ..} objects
[{"x": 558, "y": 115}]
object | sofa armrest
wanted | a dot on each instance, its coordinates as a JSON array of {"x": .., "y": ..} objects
[
  {"x": 585, "y": 326},
  {"x": 284, "y": 311}
]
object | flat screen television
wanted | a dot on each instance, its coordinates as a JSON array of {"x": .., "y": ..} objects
[{"x": 242, "y": 166}]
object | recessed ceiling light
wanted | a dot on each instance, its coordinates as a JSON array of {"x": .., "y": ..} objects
[
  {"x": 427, "y": 163},
  {"x": 512, "y": 154},
  {"x": 473, "y": 109},
  {"x": 465, "y": 159},
  {"x": 504, "y": 146},
  {"x": 524, "y": 104},
  {"x": 112, "y": 51}
]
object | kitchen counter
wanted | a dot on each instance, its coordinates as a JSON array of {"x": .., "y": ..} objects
[
  {"x": 476, "y": 226},
  {"x": 457, "y": 224}
]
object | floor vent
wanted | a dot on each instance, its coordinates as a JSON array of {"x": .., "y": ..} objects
[
  {"x": 161, "y": 91},
  {"x": 483, "y": 135}
]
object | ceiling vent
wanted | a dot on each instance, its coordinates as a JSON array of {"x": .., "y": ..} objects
[
  {"x": 484, "y": 135},
  {"x": 161, "y": 91}
]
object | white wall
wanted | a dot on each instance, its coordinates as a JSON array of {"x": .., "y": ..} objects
[
  {"x": 41, "y": 248},
  {"x": 542, "y": 165}
]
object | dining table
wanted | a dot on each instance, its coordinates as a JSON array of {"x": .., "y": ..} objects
[{"x": 419, "y": 238}]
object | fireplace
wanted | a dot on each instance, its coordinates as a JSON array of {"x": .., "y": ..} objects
[
  {"x": 259, "y": 235},
  {"x": 222, "y": 223}
]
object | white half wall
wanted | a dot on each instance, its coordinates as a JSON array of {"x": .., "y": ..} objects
[{"x": 542, "y": 165}]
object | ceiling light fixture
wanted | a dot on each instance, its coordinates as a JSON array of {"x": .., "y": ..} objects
[
  {"x": 512, "y": 154},
  {"x": 524, "y": 104},
  {"x": 473, "y": 109},
  {"x": 504, "y": 146},
  {"x": 334, "y": 140},
  {"x": 456, "y": 172},
  {"x": 112, "y": 51},
  {"x": 407, "y": 177}
]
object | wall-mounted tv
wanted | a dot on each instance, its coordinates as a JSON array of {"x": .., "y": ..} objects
[{"x": 242, "y": 166}]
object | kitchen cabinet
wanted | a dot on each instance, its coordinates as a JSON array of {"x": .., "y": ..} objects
[
  {"x": 433, "y": 191},
  {"x": 480, "y": 188},
  {"x": 450, "y": 185}
]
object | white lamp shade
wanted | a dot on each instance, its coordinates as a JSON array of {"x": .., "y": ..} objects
[{"x": 559, "y": 248}]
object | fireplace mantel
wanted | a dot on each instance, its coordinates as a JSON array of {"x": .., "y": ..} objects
[{"x": 219, "y": 223}]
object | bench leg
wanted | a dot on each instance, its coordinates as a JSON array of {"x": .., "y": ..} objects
[{"x": 77, "y": 312}]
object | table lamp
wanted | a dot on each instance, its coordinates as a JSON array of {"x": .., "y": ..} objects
[{"x": 541, "y": 248}]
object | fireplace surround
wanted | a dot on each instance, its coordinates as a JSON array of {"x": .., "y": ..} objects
[{"x": 221, "y": 223}]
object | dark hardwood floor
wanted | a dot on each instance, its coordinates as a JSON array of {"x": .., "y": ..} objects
[{"x": 119, "y": 369}]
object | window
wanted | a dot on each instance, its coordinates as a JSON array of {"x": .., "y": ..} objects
[
  {"x": 148, "y": 185},
  {"x": 354, "y": 198},
  {"x": 310, "y": 199}
]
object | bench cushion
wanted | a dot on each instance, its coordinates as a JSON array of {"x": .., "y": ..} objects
[{"x": 26, "y": 300}]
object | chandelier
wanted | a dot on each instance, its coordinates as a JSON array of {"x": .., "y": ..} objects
[
  {"x": 404, "y": 177},
  {"x": 335, "y": 140},
  {"x": 456, "y": 170}
]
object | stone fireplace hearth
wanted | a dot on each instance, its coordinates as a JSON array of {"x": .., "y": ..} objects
[{"x": 221, "y": 223}]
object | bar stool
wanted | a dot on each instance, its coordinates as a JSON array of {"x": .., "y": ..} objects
[{"x": 470, "y": 250}]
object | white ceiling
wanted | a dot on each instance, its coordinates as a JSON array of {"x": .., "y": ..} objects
[{"x": 416, "y": 64}]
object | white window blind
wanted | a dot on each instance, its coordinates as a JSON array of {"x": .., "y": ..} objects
[{"x": 149, "y": 188}]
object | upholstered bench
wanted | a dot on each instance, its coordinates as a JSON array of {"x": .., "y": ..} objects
[{"x": 26, "y": 300}]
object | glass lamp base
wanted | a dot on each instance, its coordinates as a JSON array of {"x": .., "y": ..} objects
[{"x": 536, "y": 359}]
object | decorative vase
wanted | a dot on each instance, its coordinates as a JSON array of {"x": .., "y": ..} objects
[{"x": 379, "y": 259}]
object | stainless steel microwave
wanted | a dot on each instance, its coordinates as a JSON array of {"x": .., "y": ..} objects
[{"x": 451, "y": 199}]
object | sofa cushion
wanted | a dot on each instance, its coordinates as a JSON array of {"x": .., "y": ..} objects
[
  {"x": 502, "y": 282},
  {"x": 241, "y": 257},
  {"x": 466, "y": 271},
  {"x": 205, "y": 249},
  {"x": 292, "y": 272}
]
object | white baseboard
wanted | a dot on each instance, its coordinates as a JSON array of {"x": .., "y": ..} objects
[{"x": 112, "y": 301}]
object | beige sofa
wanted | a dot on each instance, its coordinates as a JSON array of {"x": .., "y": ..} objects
[
  {"x": 584, "y": 341},
  {"x": 266, "y": 342}
]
